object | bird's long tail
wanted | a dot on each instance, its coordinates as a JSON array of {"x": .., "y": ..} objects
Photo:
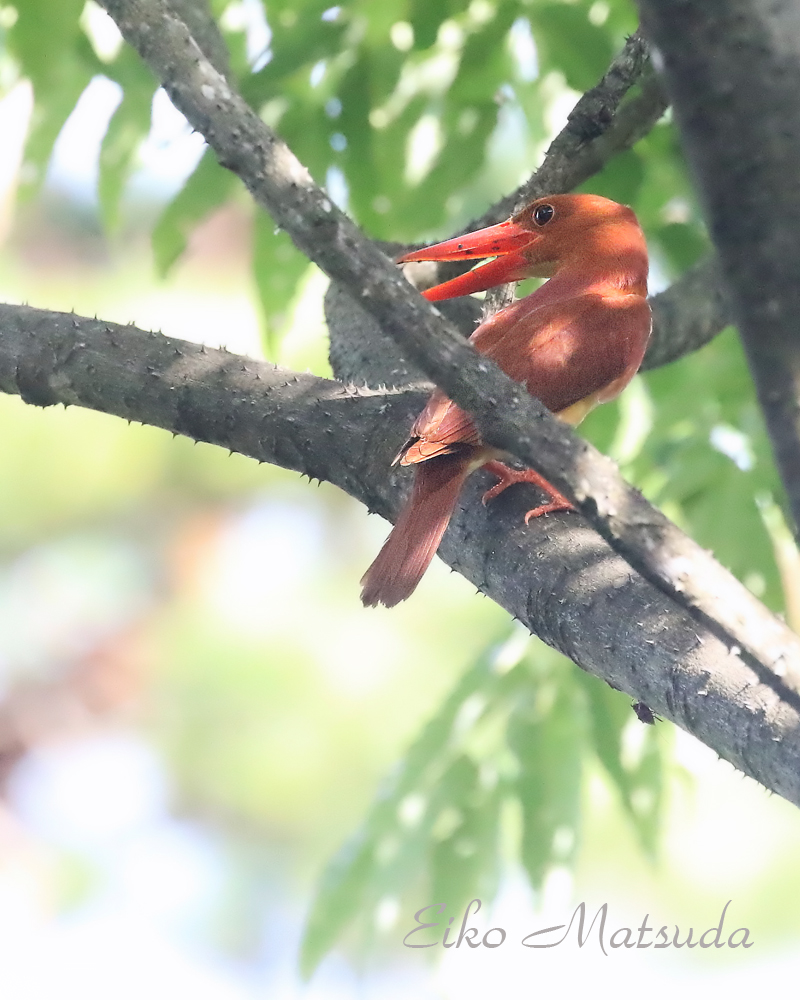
[{"x": 411, "y": 546}]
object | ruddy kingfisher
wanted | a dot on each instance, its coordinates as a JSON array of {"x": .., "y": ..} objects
[{"x": 574, "y": 342}]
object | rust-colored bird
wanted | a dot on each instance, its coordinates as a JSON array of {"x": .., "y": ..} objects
[{"x": 575, "y": 342}]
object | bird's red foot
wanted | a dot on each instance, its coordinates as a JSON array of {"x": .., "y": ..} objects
[{"x": 508, "y": 477}]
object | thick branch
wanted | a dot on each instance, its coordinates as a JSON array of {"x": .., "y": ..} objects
[
  {"x": 506, "y": 415},
  {"x": 556, "y": 575},
  {"x": 732, "y": 68},
  {"x": 197, "y": 16}
]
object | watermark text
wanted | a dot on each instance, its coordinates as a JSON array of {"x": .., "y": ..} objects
[{"x": 578, "y": 931}]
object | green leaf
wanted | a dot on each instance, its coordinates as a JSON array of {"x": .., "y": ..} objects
[
  {"x": 468, "y": 119},
  {"x": 567, "y": 41},
  {"x": 683, "y": 244},
  {"x": 391, "y": 849},
  {"x": 406, "y": 211},
  {"x": 547, "y": 738},
  {"x": 620, "y": 180},
  {"x": 207, "y": 188},
  {"x": 128, "y": 127},
  {"x": 708, "y": 425},
  {"x": 44, "y": 52},
  {"x": 300, "y": 38},
  {"x": 426, "y": 17},
  {"x": 277, "y": 268},
  {"x": 358, "y": 160},
  {"x": 59, "y": 63},
  {"x": 665, "y": 187},
  {"x": 464, "y": 863},
  {"x": 639, "y": 782}
]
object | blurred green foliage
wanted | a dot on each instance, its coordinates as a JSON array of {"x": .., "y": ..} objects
[
  {"x": 415, "y": 115},
  {"x": 516, "y": 729}
]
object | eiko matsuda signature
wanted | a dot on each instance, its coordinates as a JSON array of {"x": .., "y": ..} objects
[{"x": 552, "y": 937}]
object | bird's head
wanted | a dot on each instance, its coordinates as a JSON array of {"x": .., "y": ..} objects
[{"x": 545, "y": 236}]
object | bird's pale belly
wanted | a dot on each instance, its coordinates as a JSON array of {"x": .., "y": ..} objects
[{"x": 574, "y": 414}]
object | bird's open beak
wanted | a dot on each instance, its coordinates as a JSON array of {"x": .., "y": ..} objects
[{"x": 504, "y": 242}]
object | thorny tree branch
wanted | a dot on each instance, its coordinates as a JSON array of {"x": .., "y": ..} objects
[
  {"x": 690, "y": 666},
  {"x": 557, "y": 575},
  {"x": 504, "y": 412}
]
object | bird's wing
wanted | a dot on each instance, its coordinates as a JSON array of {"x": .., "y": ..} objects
[
  {"x": 441, "y": 429},
  {"x": 584, "y": 348},
  {"x": 565, "y": 352}
]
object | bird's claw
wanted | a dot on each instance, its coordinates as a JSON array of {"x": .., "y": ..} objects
[
  {"x": 508, "y": 477},
  {"x": 494, "y": 491},
  {"x": 548, "y": 508}
]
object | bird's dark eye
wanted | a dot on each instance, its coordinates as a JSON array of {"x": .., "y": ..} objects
[{"x": 542, "y": 214}]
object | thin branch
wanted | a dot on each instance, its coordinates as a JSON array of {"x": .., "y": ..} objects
[
  {"x": 598, "y": 127},
  {"x": 556, "y": 575},
  {"x": 688, "y": 314},
  {"x": 506, "y": 415}
]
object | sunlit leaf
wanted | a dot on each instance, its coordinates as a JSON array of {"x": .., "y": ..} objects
[
  {"x": 391, "y": 848},
  {"x": 639, "y": 783},
  {"x": 277, "y": 269},
  {"x": 59, "y": 63},
  {"x": 300, "y": 39},
  {"x": 128, "y": 127},
  {"x": 568, "y": 41},
  {"x": 547, "y": 737},
  {"x": 207, "y": 188},
  {"x": 464, "y": 863}
]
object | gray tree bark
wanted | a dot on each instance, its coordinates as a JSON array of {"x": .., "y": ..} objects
[{"x": 732, "y": 69}]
